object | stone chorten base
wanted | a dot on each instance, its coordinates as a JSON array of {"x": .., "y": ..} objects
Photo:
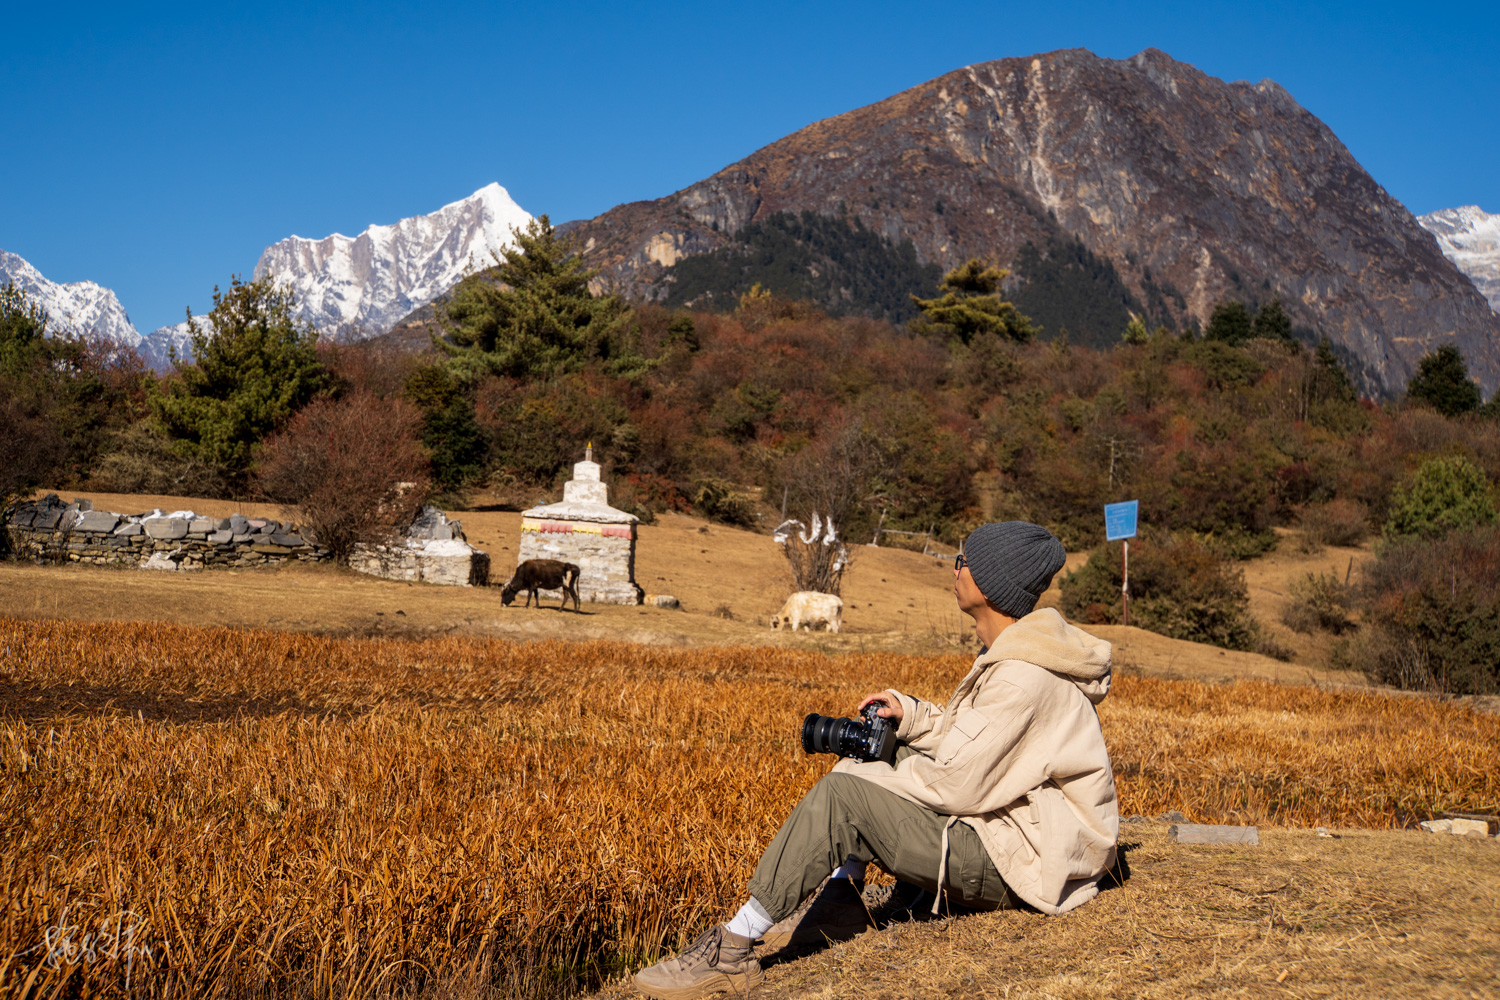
[{"x": 584, "y": 529}]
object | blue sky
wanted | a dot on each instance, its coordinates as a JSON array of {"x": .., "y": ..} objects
[{"x": 157, "y": 149}]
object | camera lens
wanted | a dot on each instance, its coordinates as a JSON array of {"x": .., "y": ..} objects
[{"x": 826, "y": 734}]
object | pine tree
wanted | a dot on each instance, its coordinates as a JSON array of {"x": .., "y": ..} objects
[
  {"x": 971, "y": 307},
  {"x": 1442, "y": 382},
  {"x": 535, "y": 316},
  {"x": 255, "y": 365},
  {"x": 1230, "y": 323},
  {"x": 1331, "y": 382},
  {"x": 1272, "y": 322}
]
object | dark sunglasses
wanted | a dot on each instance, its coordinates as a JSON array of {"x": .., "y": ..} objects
[{"x": 959, "y": 563}]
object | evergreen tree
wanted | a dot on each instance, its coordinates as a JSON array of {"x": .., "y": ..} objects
[
  {"x": 535, "y": 317},
  {"x": 1331, "y": 383},
  {"x": 1442, "y": 382},
  {"x": 31, "y": 448},
  {"x": 1065, "y": 285},
  {"x": 23, "y": 333},
  {"x": 255, "y": 365},
  {"x": 1272, "y": 322},
  {"x": 1230, "y": 323},
  {"x": 455, "y": 442},
  {"x": 59, "y": 396},
  {"x": 1442, "y": 495},
  {"x": 971, "y": 307}
]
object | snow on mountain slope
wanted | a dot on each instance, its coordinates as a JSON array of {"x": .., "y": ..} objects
[
  {"x": 361, "y": 286},
  {"x": 1471, "y": 239},
  {"x": 157, "y": 346},
  {"x": 80, "y": 307}
]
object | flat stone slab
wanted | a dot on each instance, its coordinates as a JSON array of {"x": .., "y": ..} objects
[
  {"x": 1202, "y": 833},
  {"x": 130, "y": 528},
  {"x": 203, "y": 525},
  {"x": 1458, "y": 826},
  {"x": 289, "y": 540},
  {"x": 166, "y": 528},
  {"x": 97, "y": 521}
]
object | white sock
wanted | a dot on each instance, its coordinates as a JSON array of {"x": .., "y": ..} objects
[
  {"x": 752, "y": 921},
  {"x": 851, "y": 868}
]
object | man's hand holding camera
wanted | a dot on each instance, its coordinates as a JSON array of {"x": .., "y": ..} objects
[{"x": 890, "y": 705}]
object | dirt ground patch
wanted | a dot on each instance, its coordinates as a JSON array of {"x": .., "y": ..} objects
[{"x": 1357, "y": 914}]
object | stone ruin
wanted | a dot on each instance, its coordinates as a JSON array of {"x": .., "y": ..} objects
[
  {"x": 434, "y": 551},
  {"x": 50, "y": 530},
  {"x": 584, "y": 529}
]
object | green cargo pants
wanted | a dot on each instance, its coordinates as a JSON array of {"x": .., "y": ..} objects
[{"x": 844, "y": 816}]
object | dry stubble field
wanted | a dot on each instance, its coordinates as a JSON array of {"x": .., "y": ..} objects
[
  {"x": 235, "y": 812},
  {"x": 404, "y": 789}
]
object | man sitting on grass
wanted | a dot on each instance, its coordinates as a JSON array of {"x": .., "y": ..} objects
[{"x": 1003, "y": 797}]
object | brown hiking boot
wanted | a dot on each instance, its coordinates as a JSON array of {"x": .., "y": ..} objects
[
  {"x": 835, "y": 913},
  {"x": 718, "y": 961}
]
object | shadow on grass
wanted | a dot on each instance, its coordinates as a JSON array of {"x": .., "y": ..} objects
[{"x": 35, "y": 704}]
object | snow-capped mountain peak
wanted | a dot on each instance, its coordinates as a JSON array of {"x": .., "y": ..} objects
[
  {"x": 1470, "y": 238},
  {"x": 80, "y": 307},
  {"x": 363, "y": 285}
]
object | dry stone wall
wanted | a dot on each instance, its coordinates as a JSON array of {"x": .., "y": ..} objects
[
  {"x": 434, "y": 551},
  {"x": 51, "y": 530}
]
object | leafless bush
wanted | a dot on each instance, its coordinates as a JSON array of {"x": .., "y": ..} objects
[
  {"x": 353, "y": 467},
  {"x": 830, "y": 479},
  {"x": 1268, "y": 645},
  {"x": 1337, "y": 522},
  {"x": 817, "y": 561},
  {"x": 144, "y": 461},
  {"x": 1318, "y": 601}
]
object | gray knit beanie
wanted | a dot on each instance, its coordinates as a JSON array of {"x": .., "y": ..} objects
[{"x": 1012, "y": 563}]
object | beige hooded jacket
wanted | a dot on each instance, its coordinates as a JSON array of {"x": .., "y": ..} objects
[{"x": 1018, "y": 755}]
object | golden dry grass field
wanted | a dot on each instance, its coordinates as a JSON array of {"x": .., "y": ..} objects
[
  {"x": 193, "y": 811},
  {"x": 307, "y": 782}
]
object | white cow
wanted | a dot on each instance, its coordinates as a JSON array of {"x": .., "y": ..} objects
[{"x": 808, "y": 608}]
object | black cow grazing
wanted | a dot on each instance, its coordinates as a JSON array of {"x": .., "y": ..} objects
[{"x": 543, "y": 574}]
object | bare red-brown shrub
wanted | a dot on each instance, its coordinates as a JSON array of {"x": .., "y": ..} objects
[
  {"x": 1337, "y": 522},
  {"x": 353, "y": 466}
]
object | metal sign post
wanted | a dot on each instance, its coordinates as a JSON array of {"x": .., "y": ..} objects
[{"x": 1120, "y": 525}]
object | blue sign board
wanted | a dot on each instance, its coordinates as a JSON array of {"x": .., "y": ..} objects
[{"x": 1119, "y": 519}]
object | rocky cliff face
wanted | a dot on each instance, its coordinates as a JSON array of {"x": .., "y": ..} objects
[
  {"x": 1471, "y": 239},
  {"x": 363, "y": 285},
  {"x": 1196, "y": 189}
]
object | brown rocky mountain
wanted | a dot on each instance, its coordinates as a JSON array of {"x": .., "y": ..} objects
[{"x": 1197, "y": 190}]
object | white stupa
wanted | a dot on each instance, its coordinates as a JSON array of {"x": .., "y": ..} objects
[{"x": 584, "y": 529}]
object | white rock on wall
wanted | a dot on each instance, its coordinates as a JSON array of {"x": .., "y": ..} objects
[{"x": 446, "y": 562}]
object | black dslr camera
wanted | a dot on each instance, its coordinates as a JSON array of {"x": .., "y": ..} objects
[{"x": 873, "y": 739}]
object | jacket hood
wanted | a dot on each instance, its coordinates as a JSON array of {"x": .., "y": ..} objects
[{"x": 1046, "y": 639}]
